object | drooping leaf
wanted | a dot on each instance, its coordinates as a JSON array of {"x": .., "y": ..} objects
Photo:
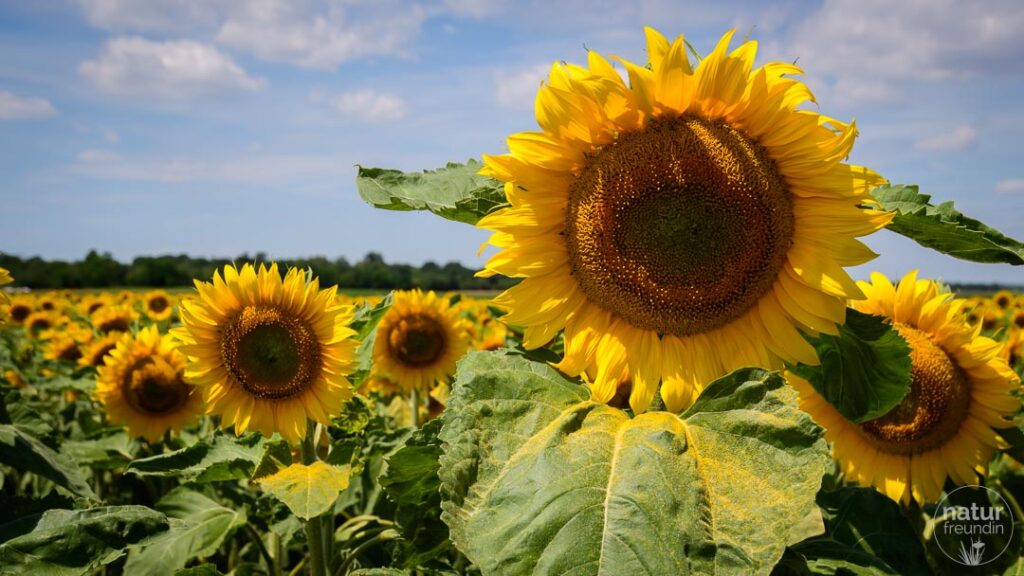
[
  {"x": 24, "y": 452},
  {"x": 111, "y": 449},
  {"x": 307, "y": 491},
  {"x": 198, "y": 527},
  {"x": 538, "y": 479},
  {"x": 277, "y": 455},
  {"x": 365, "y": 323},
  {"x": 945, "y": 229},
  {"x": 66, "y": 542},
  {"x": 455, "y": 192},
  {"x": 412, "y": 483},
  {"x": 223, "y": 457},
  {"x": 864, "y": 371}
]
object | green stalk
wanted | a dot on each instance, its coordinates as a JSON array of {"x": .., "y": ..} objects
[
  {"x": 414, "y": 401},
  {"x": 314, "y": 526}
]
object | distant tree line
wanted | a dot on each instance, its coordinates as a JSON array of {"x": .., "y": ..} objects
[{"x": 98, "y": 270}]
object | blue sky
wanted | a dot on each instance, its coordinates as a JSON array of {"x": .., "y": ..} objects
[{"x": 216, "y": 127}]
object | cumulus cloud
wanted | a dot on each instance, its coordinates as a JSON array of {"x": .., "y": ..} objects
[
  {"x": 168, "y": 71},
  {"x": 152, "y": 16},
  {"x": 365, "y": 104},
  {"x": 13, "y": 107},
  {"x": 517, "y": 89},
  {"x": 955, "y": 140},
  {"x": 870, "y": 48},
  {"x": 1010, "y": 186},
  {"x": 293, "y": 32}
]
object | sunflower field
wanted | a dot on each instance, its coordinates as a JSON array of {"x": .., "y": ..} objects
[{"x": 685, "y": 379}]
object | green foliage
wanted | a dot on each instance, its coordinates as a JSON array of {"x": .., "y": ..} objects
[
  {"x": 537, "y": 478},
  {"x": 72, "y": 542},
  {"x": 222, "y": 457},
  {"x": 198, "y": 527},
  {"x": 412, "y": 483},
  {"x": 456, "y": 192},
  {"x": 307, "y": 491},
  {"x": 864, "y": 371},
  {"x": 944, "y": 229},
  {"x": 365, "y": 323},
  {"x": 26, "y": 453}
]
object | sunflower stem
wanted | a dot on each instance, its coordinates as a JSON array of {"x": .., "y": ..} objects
[
  {"x": 314, "y": 526},
  {"x": 414, "y": 403}
]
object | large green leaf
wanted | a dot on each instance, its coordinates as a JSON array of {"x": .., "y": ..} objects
[
  {"x": 944, "y": 229},
  {"x": 455, "y": 192},
  {"x": 365, "y": 323},
  {"x": 864, "y": 371},
  {"x": 198, "y": 526},
  {"x": 112, "y": 448},
  {"x": 223, "y": 457},
  {"x": 66, "y": 542},
  {"x": 307, "y": 491},
  {"x": 411, "y": 482},
  {"x": 538, "y": 479},
  {"x": 24, "y": 452}
]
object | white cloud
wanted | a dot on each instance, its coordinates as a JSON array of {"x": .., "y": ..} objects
[
  {"x": 475, "y": 8},
  {"x": 367, "y": 105},
  {"x": 958, "y": 139},
  {"x": 168, "y": 71},
  {"x": 871, "y": 48},
  {"x": 252, "y": 169},
  {"x": 1010, "y": 186},
  {"x": 152, "y": 15},
  {"x": 518, "y": 89},
  {"x": 291, "y": 32},
  {"x": 14, "y": 107}
]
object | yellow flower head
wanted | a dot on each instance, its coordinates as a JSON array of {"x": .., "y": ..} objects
[
  {"x": 268, "y": 353},
  {"x": 114, "y": 318},
  {"x": 141, "y": 385},
  {"x": 419, "y": 340},
  {"x": 681, "y": 226},
  {"x": 961, "y": 389}
]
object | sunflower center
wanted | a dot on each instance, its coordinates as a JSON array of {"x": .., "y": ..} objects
[
  {"x": 417, "y": 340},
  {"x": 115, "y": 324},
  {"x": 680, "y": 227},
  {"x": 934, "y": 408},
  {"x": 158, "y": 304},
  {"x": 19, "y": 312},
  {"x": 154, "y": 386},
  {"x": 271, "y": 354}
]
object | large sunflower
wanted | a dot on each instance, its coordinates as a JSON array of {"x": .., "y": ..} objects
[
  {"x": 141, "y": 385},
  {"x": 419, "y": 340},
  {"x": 266, "y": 353},
  {"x": 684, "y": 225},
  {"x": 961, "y": 389}
]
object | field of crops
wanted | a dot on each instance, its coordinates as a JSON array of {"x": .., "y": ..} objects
[{"x": 682, "y": 377}]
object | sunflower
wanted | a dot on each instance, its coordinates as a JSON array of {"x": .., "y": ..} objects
[
  {"x": 1017, "y": 320},
  {"x": 93, "y": 302},
  {"x": 98, "y": 349},
  {"x": 266, "y": 353},
  {"x": 960, "y": 390},
  {"x": 684, "y": 225},
  {"x": 419, "y": 340},
  {"x": 63, "y": 346},
  {"x": 5, "y": 278},
  {"x": 141, "y": 385},
  {"x": 114, "y": 318},
  {"x": 20, "y": 309},
  {"x": 38, "y": 323},
  {"x": 158, "y": 305},
  {"x": 1003, "y": 299}
]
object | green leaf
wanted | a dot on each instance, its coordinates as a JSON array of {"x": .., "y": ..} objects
[
  {"x": 200, "y": 570},
  {"x": 112, "y": 450},
  {"x": 66, "y": 542},
  {"x": 24, "y": 452},
  {"x": 455, "y": 192},
  {"x": 307, "y": 491},
  {"x": 411, "y": 482},
  {"x": 864, "y": 371},
  {"x": 944, "y": 229},
  {"x": 538, "y": 479},
  {"x": 277, "y": 454},
  {"x": 365, "y": 323},
  {"x": 223, "y": 457},
  {"x": 198, "y": 527},
  {"x": 829, "y": 558},
  {"x": 15, "y": 410}
]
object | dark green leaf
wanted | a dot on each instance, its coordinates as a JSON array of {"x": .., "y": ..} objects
[
  {"x": 198, "y": 527},
  {"x": 455, "y": 192},
  {"x": 66, "y": 542},
  {"x": 944, "y": 229},
  {"x": 277, "y": 454},
  {"x": 411, "y": 482},
  {"x": 830, "y": 558},
  {"x": 111, "y": 450},
  {"x": 200, "y": 570},
  {"x": 538, "y": 479},
  {"x": 25, "y": 453},
  {"x": 864, "y": 371},
  {"x": 223, "y": 457},
  {"x": 16, "y": 411}
]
